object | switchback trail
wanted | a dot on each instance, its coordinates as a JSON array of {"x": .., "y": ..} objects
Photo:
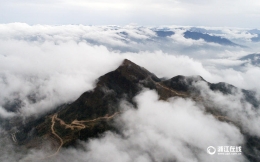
[
  {"x": 53, "y": 132},
  {"x": 223, "y": 117},
  {"x": 179, "y": 94},
  {"x": 76, "y": 124},
  {"x": 164, "y": 87}
]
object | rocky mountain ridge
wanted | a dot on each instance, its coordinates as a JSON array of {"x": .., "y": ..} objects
[{"x": 94, "y": 111}]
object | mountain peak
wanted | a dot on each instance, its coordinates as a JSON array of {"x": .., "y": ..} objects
[
  {"x": 127, "y": 62},
  {"x": 134, "y": 72},
  {"x": 130, "y": 65}
]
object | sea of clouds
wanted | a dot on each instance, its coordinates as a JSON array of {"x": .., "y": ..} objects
[{"x": 56, "y": 64}]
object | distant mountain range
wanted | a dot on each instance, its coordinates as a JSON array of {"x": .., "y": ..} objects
[
  {"x": 208, "y": 38},
  {"x": 199, "y": 33},
  {"x": 253, "y": 59},
  {"x": 208, "y": 35},
  {"x": 92, "y": 113},
  {"x": 164, "y": 33}
]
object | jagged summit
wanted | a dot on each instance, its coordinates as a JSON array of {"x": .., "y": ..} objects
[
  {"x": 134, "y": 72},
  {"x": 127, "y": 62}
]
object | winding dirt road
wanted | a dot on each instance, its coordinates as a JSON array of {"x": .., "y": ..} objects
[
  {"x": 223, "y": 117},
  {"x": 53, "y": 132},
  {"x": 179, "y": 94},
  {"x": 76, "y": 124}
]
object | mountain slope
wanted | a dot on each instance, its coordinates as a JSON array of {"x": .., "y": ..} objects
[{"x": 93, "y": 112}]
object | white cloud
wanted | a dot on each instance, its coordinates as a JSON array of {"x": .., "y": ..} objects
[
  {"x": 234, "y": 107},
  {"x": 55, "y": 65},
  {"x": 225, "y": 62},
  {"x": 5, "y": 114},
  {"x": 56, "y": 74},
  {"x": 157, "y": 131},
  {"x": 161, "y": 131},
  {"x": 179, "y": 38},
  {"x": 238, "y": 34}
]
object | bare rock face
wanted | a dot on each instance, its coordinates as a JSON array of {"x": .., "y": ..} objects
[{"x": 93, "y": 112}]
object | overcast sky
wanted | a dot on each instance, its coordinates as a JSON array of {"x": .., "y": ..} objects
[{"x": 228, "y": 13}]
